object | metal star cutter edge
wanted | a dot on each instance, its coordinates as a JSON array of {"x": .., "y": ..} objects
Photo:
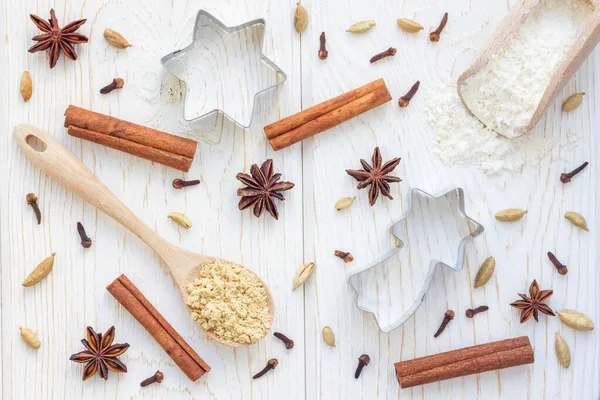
[
  {"x": 476, "y": 231},
  {"x": 281, "y": 76}
]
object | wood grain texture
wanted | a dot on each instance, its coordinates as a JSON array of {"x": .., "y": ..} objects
[{"x": 309, "y": 228}]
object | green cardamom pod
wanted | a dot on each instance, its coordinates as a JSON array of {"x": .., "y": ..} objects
[
  {"x": 408, "y": 25},
  {"x": 303, "y": 274},
  {"x": 26, "y": 86},
  {"x": 181, "y": 219},
  {"x": 40, "y": 272},
  {"x": 573, "y": 102},
  {"x": 562, "y": 351},
  {"x": 328, "y": 336},
  {"x": 510, "y": 215},
  {"x": 344, "y": 202},
  {"x": 576, "y": 320},
  {"x": 577, "y": 220},
  {"x": 361, "y": 27},
  {"x": 30, "y": 338},
  {"x": 300, "y": 18},
  {"x": 485, "y": 272}
]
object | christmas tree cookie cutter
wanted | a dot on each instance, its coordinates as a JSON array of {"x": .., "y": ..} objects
[
  {"x": 223, "y": 69},
  {"x": 440, "y": 217}
]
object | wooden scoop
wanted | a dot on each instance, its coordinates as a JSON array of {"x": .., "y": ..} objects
[
  {"x": 62, "y": 165},
  {"x": 578, "y": 52}
]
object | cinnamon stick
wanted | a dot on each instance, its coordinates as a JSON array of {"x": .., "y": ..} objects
[
  {"x": 466, "y": 361},
  {"x": 130, "y": 132},
  {"x": 326, "y": 115},
  {"x": 149, "y": 153},
  {"x": 130, "y": 297},
  {"x": 314, "y": 112},
  {"x": 331, "y": 119}
]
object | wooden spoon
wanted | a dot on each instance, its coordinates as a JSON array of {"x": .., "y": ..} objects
[
  {"x": 62, "y": 165},
  {"x": 578, "y": 52}
]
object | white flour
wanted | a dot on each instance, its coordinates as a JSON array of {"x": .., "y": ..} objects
[
  {"x": 462, "y": 139},
  {"x": 506, "y": 92}
]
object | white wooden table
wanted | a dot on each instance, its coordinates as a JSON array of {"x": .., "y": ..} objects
[{"x": 309, "y": 228}]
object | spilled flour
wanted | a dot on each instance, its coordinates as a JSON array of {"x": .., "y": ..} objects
[{"x": 462, "y": 139}]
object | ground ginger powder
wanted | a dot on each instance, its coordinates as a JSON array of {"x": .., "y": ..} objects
[{"x": 229, "y": 301}]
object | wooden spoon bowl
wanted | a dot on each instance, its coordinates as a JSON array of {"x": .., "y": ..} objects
[
  {"x": 62, "y": 165},
  {"x": 578, "y": 52}
]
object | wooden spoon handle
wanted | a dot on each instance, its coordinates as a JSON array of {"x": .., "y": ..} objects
[{"x": 62, "y": 165}]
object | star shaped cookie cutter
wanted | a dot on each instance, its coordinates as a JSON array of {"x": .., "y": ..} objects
[
  {"x": 371, "y": 304},
  {"x": 224, "y": 69}
]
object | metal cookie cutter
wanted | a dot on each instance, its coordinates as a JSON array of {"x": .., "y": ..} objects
[
  {"x": 434, "y": 226},
  {"x": 224, "y": 69}
]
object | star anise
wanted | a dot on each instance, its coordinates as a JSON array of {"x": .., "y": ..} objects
[
  {"x": 533, "y": 304},
  {"x": 261, "y": 186},
  {"x": 54, "y": 39},
  {"x": 101, "y": 355},
  {"x": 376, "y": 176}
]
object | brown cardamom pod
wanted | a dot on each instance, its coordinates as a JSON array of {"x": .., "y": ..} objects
[{"x": 40, "y": 272}]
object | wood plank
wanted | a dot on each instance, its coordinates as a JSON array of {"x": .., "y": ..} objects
[
  {"x": 520, "y": 249},
  {"x": 74, "y": 295}
]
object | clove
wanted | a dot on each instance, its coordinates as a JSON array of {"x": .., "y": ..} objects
[
  {"x": 389, "y": 52},
  {"x": 471, "y": 312},
  {"x": 157, "y": 377},
  {"x": 180, "y": 183},
  {"x": 560, "y": 267},
  {"x": 448, "y": 316},
  {"x": 565, "y": 177},
  {"x": 117, "y": 83},
  {"x": 405, "y": 100},
  {"x": 323, "y": 53},
  {"x": 86, "y": 242},
  {"x": 271, "y": 364},
  {"x": 289, "y": 343},
  {"x": 363, "y": 360},
  {"x": 346, "y": 256},
  {"x": 435, "y": 35},
  {"x": 32, "y": 201}
]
